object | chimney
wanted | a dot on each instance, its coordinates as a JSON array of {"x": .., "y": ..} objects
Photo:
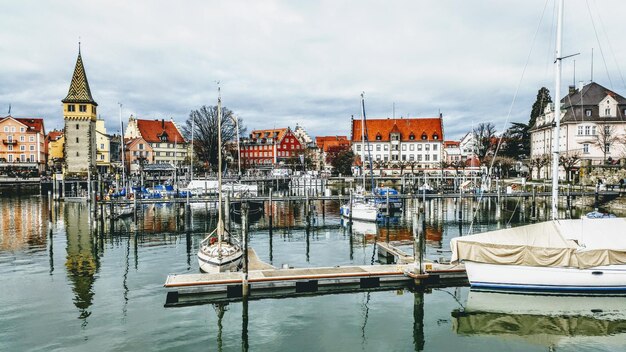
[
  {"x": 572, "y": 89},
  {"x": 163, "y": 123}
]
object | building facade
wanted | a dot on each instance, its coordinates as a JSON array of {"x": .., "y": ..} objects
[
  {"x": 138, "y": 154},
  {"x": 416, "y": 141},
  {"x": 56, "y": 143},
  {"x": 23, "y": 142},
  {"x": 326, "y": 144},
  {"x": 80, "y": 115},
  {"x": 164, "y": 138},
  {"x": 270, "y": 147},
  {"x": 593, "y": 126},
  {"x": 103, "y": 148}
]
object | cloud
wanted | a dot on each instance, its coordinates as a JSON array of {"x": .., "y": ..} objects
[{"x": 282, "y": 63}]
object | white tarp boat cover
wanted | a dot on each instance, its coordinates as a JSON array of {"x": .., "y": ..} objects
[{"x": 580, "y": 243}]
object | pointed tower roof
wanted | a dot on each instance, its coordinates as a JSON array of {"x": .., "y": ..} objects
[{"x": 79, "y": 91}]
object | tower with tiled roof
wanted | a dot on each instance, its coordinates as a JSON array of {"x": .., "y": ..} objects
[{"x": 80, "y": 115}]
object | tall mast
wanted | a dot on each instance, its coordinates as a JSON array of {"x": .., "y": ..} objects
[
  {"x": 123, "y": 148},
  {"x": 363, "y": 138},
  {"x": 220, "y": 223},
  {"x": 557, "y": 112},
  {"x": 193, "y": 127}
]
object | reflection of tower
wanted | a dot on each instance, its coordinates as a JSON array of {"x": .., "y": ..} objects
[{"x": 82, "y": 258}]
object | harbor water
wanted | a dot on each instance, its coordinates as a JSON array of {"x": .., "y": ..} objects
[{"x": 71, "y": 283}]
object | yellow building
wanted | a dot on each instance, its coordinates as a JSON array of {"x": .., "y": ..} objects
[
  {"x": 56, "y": 143},
  {"x": 103, "y": 147}
]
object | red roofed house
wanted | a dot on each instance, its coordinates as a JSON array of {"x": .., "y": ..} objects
[
  {"x": 167, "y": 144},
  {"x": 23, "y": 142},
  {"x": 405, "y": 140},
  {"x": 452, "y": 152},
  {"x": 270, "y": 147},
  {"x": 329, "y": 144}
]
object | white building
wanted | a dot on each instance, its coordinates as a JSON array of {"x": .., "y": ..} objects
[
  {"x": 416, "y": 141},
  {"x": 593, "y": 120}
]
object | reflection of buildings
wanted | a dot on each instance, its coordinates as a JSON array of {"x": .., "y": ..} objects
[
  {"x": 23, "y": 223},
  {"x": 285, "y": 213},
  {"x": 82, "y": 257},
  {"x": 158, "y": 218}
]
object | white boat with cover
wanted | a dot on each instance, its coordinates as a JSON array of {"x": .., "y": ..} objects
[{"x": 560, "y": 256}]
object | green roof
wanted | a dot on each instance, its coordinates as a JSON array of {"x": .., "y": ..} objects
[{"x": 79, "y": 91}]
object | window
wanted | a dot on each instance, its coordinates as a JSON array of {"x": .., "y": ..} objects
[
  {"x": 395, "y": 137},
  {"x": 435, "y": 136},
  {"x": 607, "y": 147},
  {"x": 77, "y": 126},
  {"x": 76, "y": 139},
  {"x": 424, "y": 137},
  {"x": 411, "y": 147},
  {"x": 419, "y": 147},
  {"x": 593, "y": 130},
  {"x": 22, "y": 138},
  {"x": 419, "y": 157},
  {"x": 22, "y": 129},
  {"x": 434, "y": 146},
  {"x": 411, "y": 136},
  {"x": 377, "y": 147},
  {"x": 12, "y": 128},
  {"x": 22, "y": 147},
  {"x": 386, "y": 147},
  {"x": 427, "y": 157},
  {"x": 102, "y": 146},
  {"x": 71, "y": 108},
  {"x": 607, "y": 130},
  {"x": 435, "y": 157},
  {"x": 22, "y": 158},
  {"x": 580, "y": 130},
  {"x": 427, "y": 147},
  {"x": 32, "y": 147},
  {"x": 411, "y": 157},
  {"x": 93, "y": 110},
  {"x": 403, "y": 157},
  {"x": 586, "y": 148},
  {"x": 140, "y": 146},
  {"x": 82, "y": 108},
  {"x": 32, "y": 157},
  {"x": 31, "y": 139},
  {"x": 394, "y": 157},
  {"x": 378, "y": 136},
  {"x": 10, "y": 147},
  {"x": 76, "y": 153},
  {"x": 588, "y": 112},
  {"x": 404, "y": 147},
  {"x": 6, "y": 128},
  {"x": 607, "y": 112},
  {"x": 101, "y": 156},
  {"x": 587, "y": 130},
  {"x": 10, "y": 158},
  {"x": 358, "y": 147}
]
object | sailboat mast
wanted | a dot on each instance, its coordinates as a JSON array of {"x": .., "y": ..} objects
[
  {"x": 363, "y": 139},
  {"x": 220, "y": 223},
  {"x": 557, "y": 112},
  {"x": 123, "y": 149},
  {"x": 193, "y": 127}
]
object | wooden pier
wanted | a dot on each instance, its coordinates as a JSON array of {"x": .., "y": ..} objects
[{"x": 268, "y": 282}]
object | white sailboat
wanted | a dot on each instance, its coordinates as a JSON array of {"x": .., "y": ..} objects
[
  {"x": 558, "y": 256},
  {"x": 217, "y": 252},
  {"x": 361, "y": 208}
]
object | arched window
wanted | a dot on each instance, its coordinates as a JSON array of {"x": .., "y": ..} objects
[
  {"x": 435, "y": 136},
  {"x": 378, "y": 136},
  {"x": 411, "y": 136},
  {"x": 424, "y": 136}
]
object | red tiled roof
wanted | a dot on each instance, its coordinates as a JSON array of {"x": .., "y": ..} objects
[
  {"x": 326, "y": 142},
  {"x": 33, "y": 124},
  {"x": 269, "y": 133},
  {"x": 383, "y": 127},
  {"x": 448, "y": 144},
  {"x": 152, "y": 130},
  {"x": 55, "y": 135}
]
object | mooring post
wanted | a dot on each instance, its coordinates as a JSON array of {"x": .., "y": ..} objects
[
  {"x": 418, "y": 235},
  {"x": 244, "y": 236},
  {"x": 534, "y": 203},
  {"x": 271, "y": 215},
  {"x": 350, "y": 207},
  {"x": 227, "y": 211}
]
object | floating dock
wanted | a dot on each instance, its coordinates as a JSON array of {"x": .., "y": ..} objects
[{"x": 268, "y": 282}]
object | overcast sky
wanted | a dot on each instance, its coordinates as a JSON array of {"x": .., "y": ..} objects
[{"x": 283, "y": 63}]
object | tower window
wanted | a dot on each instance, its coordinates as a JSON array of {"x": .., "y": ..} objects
[
  {"x": 93, "y": 109},
  {"x": 71, "y": 107},
  {"x": 76, "y": 153},
  {"x": 77, "y": 126},
  {"x": 76, "y": 139},
  {"x": 82, "y": 108}
]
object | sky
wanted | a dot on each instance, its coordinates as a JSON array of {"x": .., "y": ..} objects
[{"x": 282, "y": 63}]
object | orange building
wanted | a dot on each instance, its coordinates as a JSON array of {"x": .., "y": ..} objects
[{"x": 23, "y": 142}]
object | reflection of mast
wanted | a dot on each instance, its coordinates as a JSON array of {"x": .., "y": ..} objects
[
  {"x": 244, "y": 325},
  {"x": 220, "y": 308},
  {"x": 418, "y": 321},
  {"x": 82, "y": 260}
]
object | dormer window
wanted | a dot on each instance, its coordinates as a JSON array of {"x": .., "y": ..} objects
[
  {"x": 412, "y": 136},
  {"x": 435, "y": 136},
  {"x": 424, "y": 136},
  {"x": 163, "y": 138},
  {"x": 378, "y": 136},
  {"x": 588, "y": 112}
]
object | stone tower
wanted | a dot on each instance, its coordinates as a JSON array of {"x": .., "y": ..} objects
[{"x": 80, "y": 115}]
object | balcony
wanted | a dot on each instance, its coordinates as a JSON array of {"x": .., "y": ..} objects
[{"x": 9, "y": 142}]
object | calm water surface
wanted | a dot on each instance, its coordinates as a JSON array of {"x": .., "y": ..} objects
[{"x": 71, "y": 287}]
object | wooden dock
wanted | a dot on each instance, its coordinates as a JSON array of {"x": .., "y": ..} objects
[
  {"x": 267, "y": 282},
  {"x": 391, "y": 250}
]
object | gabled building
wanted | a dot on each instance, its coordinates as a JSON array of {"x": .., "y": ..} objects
[
  {"x": 452, "y": 152},
  {"x": 80, "y": 115},
  {"x": 468, "y": 146},
  {"x": 138, "y": 154},
  {"x": 103, "y": 148},
  {"x": 270, "y": 147},
  {"x": 56, "y": 143},
  {"x": 405, "y": 140},
  {"x": 593, "y": 125},
  {"x": 164, "y": 137},
  {"x": 23, "y": 141},
  {"x": 326, "y": 144}
]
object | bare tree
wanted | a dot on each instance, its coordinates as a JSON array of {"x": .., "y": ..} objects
[
  {"x": 605, "y": 139},
  {"x": 569, "y": 160},
  {"x": 539, "y": 162},
  {"x": 205, "y": 131},
  {"x": 484, "y": 139}
]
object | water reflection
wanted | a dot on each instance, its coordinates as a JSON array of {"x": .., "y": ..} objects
[
  {"x": 82, "y": 261},
  {"x": 544, "y": 320},
  {"x": 23, "y": 224}
]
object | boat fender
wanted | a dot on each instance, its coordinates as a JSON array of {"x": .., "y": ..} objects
[{"x": 213, "y": 240}]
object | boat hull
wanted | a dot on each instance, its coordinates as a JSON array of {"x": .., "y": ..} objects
[
  {"x": 209, "y": 262},
  {"x": 600, "y": 280},
  {"x": 360, "y": 212}
]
